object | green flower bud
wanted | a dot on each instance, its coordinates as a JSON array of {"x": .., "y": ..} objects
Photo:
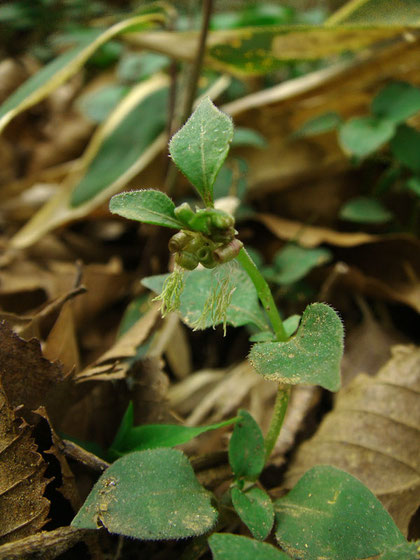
[
  {"x": 186, "y": 260},
  {"x": 228, "y": 252},
  {"x": 184, "y": 213},
  {"x": 206, "y": 257},
  {"x": 221, "y": 219},
  {"x": 178, "y": 241}
]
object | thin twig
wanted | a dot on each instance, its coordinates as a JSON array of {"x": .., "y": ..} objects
[{"x": 192, "y": 85}]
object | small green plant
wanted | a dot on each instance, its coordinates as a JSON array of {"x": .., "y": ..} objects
[
  {"x": 383, "y": 134},
  {"x": 150, "y": 491}
]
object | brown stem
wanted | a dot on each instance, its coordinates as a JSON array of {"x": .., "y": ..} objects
[{"x": 192, "y": 84}]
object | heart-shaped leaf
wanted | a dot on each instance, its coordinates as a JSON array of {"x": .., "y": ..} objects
[
  {"x": 149, "y": 495},
  {"x": 312, "y": 356},
  {"x": 397, "y": 102},
  {"x": 225, "y": 546},
  {"x": 255, "y": 508},
  {"x": 201, "y": 146},
  {"x": 148, "y": 206},
  {"x": 246, "y": 448},
  {"x": 361, "y": 136},
  {"x": 330, "y": 514}
]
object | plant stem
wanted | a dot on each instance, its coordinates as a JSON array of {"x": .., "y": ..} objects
[
  {"x": 264, "y": 293},
  {"x": 192, "y": 85},
  {"x": 283, "y": 392},
  {"x": 279, "y": 412}
]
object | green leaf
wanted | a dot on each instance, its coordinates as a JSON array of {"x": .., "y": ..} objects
[
  {"x": 246, "y": 448},
  {"x": 330, "y": 514},
  {"x": 377, "y": 12},
  {"x": 51, "y": 76},
  {"x": 406, "y": 147},
  {"x": 255, "y": 508},
  {"x": 126, "y": 425},
  {"x": 122, "y": 148},
  {"x": 151, "y": 436},
  {"x": 361, "y": 136},
  {"x": 149, "y": 495},
  {"x": 200, "y": 147},
  {"x": 148, "y": 206},
  {"x": 291, "y": 324},
  {"x": 403, "y": 551},
  {"x": 294, "y": 262},
  {"x": 225, "y": 546},
  {"x": 244, "y": 307},
  {"x": 365, "y": 210},
  {"x": 320, "y": 124},
  {"x": 397, "y": 102},
  {"x": 138, "y": 66},
  {"x": 248, "y": 137},
  {"x": 97, "y": 105},
  {"x": 312, "y": 356},
  {"x": 260, "y": 51},
  {"x": 413, "y": 184}
]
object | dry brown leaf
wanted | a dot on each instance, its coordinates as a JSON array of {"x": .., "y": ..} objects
[
  {"x": 23, "y": 507},
  {"x": 114, "y": 363},
  {"x": 27, "y": 377},
  {"x": 61, "y": 344},
  {"x": 368, "y": 345},
  {"x": 105, "y": 283},
  {"x": 68, "y": 486},
  {"x": 373, "y": 433},
  {"x": 312, "y": 236},
  {"x": 388, "y": 269}
]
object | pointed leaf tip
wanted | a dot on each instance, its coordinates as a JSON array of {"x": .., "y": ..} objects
[
  {"x": 148, "y": 206},
  {"x": 200, "y": 147}
]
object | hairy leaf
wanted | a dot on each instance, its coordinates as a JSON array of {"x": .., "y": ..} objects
[
  {"x": 148, "y": 206},
  {"x": 244, "y": 307},
  {"x": 149, "y": 495},
  {"x": 225, "y": 546},
  {"x": 150, "y": 436},
  {"x": 246, "y": 448},
  {"x": 313, "y": 355},
  {"x": 255, "y": 508},
  {"x": 330, "y": 514},
  {"x": 373, "y": 433},
  {"x": 201, "y": 146}
]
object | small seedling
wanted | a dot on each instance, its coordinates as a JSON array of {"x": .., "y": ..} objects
[
  {"x": 383, "y": 132},
  {"x": 152, "y": 493}
]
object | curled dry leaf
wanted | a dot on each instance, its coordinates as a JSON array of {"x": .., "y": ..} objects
[
  {"x": 23, "y": 507},
  {"x": 373, "y": 433},
  {"x": 115, "y": 363},
  {"x": 26, "y": 376}
]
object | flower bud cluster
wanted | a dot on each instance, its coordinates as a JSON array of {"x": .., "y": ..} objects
[{"x": 208, "y": 238}]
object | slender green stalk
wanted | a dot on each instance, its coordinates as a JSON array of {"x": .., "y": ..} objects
[
  {"x": 283, "y": 392},
  {"x": 279, "y": 412},
  {"x": 264, "y": 293}
]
